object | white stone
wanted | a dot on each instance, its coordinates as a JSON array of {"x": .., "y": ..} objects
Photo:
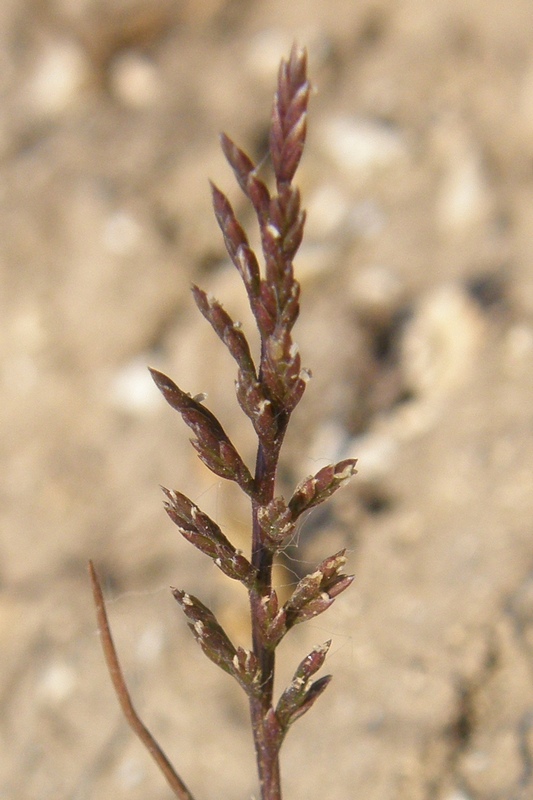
[
  {"x": 362, "y": 146},
  {"x": 376, "y": 290},
  {"x": 121, "y": 233},
  {"x": 135, "y": 79},
  {"x": 463, "y": 198},
  {"x": 327, "y": 208},
  {"x": 266, "y": 50},
  {"x": 457, "y": 795},
  {"x": 366, "y": 219},
  {"x": 518, "y": 348},
  {"x": 133, "y": 390},
  {"x": 377, "y": 455},
  {"x": 60, "y": 73},
  {"x": 57, "y": 682},
  {"x": 463, "y": 201},
  {"x": 129, "y": 773},
  {"x": 440, "y": 341},
  {"x": 150, "y": 644}
]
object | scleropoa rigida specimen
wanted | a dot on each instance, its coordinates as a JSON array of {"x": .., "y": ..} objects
[{"x": 267, "y": 392}]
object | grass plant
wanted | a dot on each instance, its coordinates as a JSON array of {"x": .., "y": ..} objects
[{"x": 268, "y": 387}]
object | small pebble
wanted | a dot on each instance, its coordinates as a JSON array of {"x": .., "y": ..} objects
[
  {"x": 366, "y": 219},
  {"x": 440, "y": 341},
  {"x": 129, "y": 773},
  {"x": 458, "y": 795},
  {"x": 133, "y": 390},
  {"x": 326, "y": 446},
  {"x": 463, "y": 199},
  {"x": 121, "y": 233},
  {"x": 57, "y": 682},
  {"x": 60, "y": 73},
  {"x": 463, "y": 202},
  {"x": 526, "y": 101},
  {"x": 327, "y": 208},
  {"x": 150, "y": 644},
  {"x": 518, "y": 348},
  {"x": 28, "y": 329},
  {"x": 376, "y": 454},
  {"x": 362, "y": 146},
  {"x": 135, "y": 79},
  {"x": 376, "y": 290},
  {"x": 265, "y": 51}
]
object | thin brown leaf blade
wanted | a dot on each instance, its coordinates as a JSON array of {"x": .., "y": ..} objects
[{"x": 177, "y": 785}]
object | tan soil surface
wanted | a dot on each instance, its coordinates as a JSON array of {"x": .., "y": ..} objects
[{"x": 417, "y": 323}]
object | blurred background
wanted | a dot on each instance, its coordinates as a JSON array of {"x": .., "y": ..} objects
[{"x": 417, "y": 323}]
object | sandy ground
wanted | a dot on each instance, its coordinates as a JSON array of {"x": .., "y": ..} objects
[{"x": 417, "y": 323}]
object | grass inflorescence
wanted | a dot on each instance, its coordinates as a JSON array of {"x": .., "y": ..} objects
[{"x": 268, "y": 390}]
